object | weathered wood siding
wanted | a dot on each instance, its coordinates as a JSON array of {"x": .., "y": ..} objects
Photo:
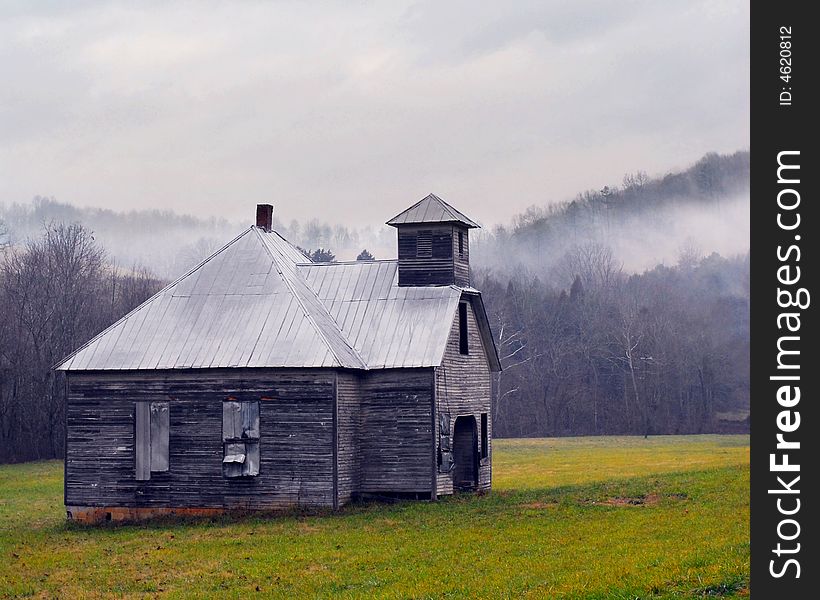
[
  {"x": 395, "y": 437},
  {"x": 435, "y": 269},
  {"x": 348, "y": 404},
  {"x": 463, "y": 388},
  {"x": 296, "y": 439},
  {"x": 461, "y": 260}
]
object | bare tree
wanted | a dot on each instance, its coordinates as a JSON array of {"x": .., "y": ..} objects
[{"x": 55, "y": 293}]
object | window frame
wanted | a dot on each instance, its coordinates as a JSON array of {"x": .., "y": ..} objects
[
  {"x": 152, "y": 436},
  {"x": 241, "y": 436}
]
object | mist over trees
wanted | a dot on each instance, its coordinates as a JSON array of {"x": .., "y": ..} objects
[
  {"x": 624, "y": 310},
  {"x": 171, "y": 243},
  {"x": 613, "y": 312},
  {"x": 56, "y": 292},
  {"x": 664, "y": 351},
  {"x": 643, "y": 221}
]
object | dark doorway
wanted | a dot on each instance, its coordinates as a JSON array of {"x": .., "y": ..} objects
[{"x": 465, "y": 454}]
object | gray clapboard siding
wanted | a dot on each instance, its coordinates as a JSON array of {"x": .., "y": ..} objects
[
  {"x": 296, "y": 439},
  {"x": 463, "y": 388},
  {"x": 429, "y": 255},
  {"x": 416, "y": 268},
  {"x": 348, "y": 419},
  {"x": 395, "y": 449},
  {"x": 461, "y": 260}
]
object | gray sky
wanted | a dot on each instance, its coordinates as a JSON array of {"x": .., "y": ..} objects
[{"x": 352, "y": 111}]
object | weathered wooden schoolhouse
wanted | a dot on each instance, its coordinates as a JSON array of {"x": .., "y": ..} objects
[{"x": 261, "y": 380}]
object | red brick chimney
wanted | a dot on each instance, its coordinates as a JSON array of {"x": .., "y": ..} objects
[{"x": 264, "y": 216}]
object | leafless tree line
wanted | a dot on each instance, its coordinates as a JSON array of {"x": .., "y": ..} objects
[
  {"x": 56, "y": 292},
  {"x": 654, "y": 353}
]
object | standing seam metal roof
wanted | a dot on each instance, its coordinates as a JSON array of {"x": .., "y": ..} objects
[
  {"x": 431, "y": 209},
  {"x": 259, "y": 302},
  {"x": 390, "y": 326},
  {"x": 244, "y": 306}
]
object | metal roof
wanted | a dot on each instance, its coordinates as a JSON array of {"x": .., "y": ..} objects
[
  {"x": 245, "y": 306},
  {"x": 258, "y": 302},
  {"x": 431, "y": 209},
  {"x": 390, "y": 326}
]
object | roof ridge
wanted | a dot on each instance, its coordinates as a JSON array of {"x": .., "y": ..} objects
[
  {"x": 307, "y": 312},
  {"x": 148, "y": 301},
  {"x": 346, "y": 262}
]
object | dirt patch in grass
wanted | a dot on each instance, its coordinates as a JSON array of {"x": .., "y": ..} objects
[
  {"x": 645, "y": 500},
  {"x": 649, "y": 500}
]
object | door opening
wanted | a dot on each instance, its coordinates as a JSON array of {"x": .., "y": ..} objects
[{"x": 465, "y": 454}]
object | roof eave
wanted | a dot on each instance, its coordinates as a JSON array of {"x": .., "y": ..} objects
[{"x": 470, "y": 225}]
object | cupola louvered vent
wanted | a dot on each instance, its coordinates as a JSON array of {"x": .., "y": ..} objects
[{"x": 433, "y": 244}]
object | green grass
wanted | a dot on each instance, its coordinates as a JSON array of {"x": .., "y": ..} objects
[{"x": 572, "y": 518}]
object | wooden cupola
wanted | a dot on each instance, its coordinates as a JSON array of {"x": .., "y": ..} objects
[{"x": 434, "y": 246}]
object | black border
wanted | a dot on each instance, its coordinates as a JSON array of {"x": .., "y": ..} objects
[{"x": 777, "y": 128}]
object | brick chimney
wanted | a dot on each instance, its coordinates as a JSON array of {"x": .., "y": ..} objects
[{"x": 264, "y": 216}]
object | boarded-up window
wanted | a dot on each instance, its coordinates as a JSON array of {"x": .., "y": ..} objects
[
  {"x": 445, "y": 447},
  {"x": 485, "y": 436},
  {"x": 151, "y": 447},
  {"x": 240, "y": 438},
  {"x": 160, "y": 424},
  {"x": 424, "y": 243},
  {"x": 463, "y": 344}
]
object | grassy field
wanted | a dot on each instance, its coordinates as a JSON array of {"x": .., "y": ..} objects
[{"x": 617, "y": 517}]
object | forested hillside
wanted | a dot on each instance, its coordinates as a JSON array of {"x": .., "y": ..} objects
[
  {"x": 614, "y": 312},
  {"x": 625, "y": 310}
]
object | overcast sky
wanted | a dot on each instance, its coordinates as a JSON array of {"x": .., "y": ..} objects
[{"x": 351, "y": 111}]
